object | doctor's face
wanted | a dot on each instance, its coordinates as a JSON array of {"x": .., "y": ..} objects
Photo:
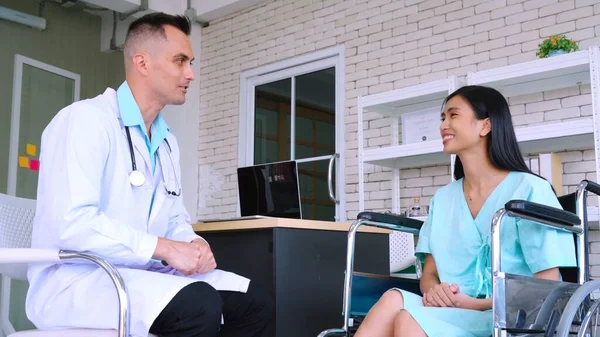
[{"x": 170, "y": 71}]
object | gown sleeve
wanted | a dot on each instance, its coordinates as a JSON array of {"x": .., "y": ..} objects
[
  {"x": 544, "y": 247},
  {"x": 423, "y": 248}
]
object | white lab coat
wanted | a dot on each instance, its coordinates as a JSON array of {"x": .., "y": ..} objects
[{"x": 87, "y": 204}]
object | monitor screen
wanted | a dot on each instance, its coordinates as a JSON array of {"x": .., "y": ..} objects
[{"x": 270, "y": 190}]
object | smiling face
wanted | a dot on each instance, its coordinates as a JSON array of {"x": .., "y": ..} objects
[
  {"x": 170, "y": 66},
  {"x": 460, "y": 128}
]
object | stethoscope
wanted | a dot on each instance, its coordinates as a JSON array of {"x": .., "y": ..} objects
[{"x": 137, "y": 178}]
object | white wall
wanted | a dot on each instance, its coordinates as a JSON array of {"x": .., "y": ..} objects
[{"x": 389, "y": 44}]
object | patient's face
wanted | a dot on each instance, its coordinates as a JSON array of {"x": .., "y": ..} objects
[{"x": 460, "y": 128}]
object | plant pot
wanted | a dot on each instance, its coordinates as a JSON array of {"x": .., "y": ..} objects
[{"x": 556, "y": 52}]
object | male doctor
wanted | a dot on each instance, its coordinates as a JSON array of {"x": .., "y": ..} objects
[{"x": 109, "y": 185}]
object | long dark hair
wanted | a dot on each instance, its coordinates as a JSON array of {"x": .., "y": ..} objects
[{"x": 502, "y": 146}]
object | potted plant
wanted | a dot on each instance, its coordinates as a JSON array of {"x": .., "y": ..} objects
[{"x": 556, "y": 45}]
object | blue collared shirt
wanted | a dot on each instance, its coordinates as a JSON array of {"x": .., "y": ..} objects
[{"x": 132, "y": 116}]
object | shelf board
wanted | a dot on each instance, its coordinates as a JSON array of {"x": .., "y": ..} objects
[
  {"x": 551, "y": 137},
  {"x": 557, "y": 137},
  {"x": 562, "y": 71},
  {"x": 418, "y": 97},
  {"x": 421, "y": 154}
]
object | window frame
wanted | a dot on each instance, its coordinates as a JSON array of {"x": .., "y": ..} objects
[{"x": 296, "y": 66}]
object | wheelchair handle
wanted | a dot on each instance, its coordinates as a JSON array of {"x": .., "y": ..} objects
[{"x": 592, "y": 187}]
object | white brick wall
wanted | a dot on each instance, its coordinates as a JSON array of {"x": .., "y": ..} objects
[{"x": 389, "y": 44}]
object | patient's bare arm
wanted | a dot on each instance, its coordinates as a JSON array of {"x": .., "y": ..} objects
[
  {"x": 436, "y": 293},
  {"x": 429, "y": 278},
  {"x": 548, "y": 274}
]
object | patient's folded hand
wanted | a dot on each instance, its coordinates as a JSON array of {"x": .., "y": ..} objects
[
  {"x": 442, "y": 295},
  {"x": 465, "y": 301}
]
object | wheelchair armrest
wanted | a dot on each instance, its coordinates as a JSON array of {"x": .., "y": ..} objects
[
  {"x": 592, "y": 187},
  {"x": 542, "y": 213},
  {"x": 392, "y": 219}
]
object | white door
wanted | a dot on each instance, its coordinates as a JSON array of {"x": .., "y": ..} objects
[{"x": 39, "y": 92}]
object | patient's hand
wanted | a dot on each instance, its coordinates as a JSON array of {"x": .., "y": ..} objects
[
  {"x": 442, "y": 295},
  {"x": 465, "y": 301}
]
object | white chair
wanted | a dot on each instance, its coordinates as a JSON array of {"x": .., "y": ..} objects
[
  {"x": 402, "y": 255},
  {"x": 16, "y": 221}
]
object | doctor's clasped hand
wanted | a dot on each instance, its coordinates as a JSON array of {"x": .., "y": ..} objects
[{"x": 187, "y": 258}]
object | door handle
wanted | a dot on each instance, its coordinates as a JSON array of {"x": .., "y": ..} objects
[{"x": 330, "y": 178}]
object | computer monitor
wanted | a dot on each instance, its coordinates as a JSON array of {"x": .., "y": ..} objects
[{"x": 270, "y": 190}]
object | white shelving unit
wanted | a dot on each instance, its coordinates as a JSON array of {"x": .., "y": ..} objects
[
  {"x": 393, "y": 104},
  {"x": 568, "y": 70},
  {"x": 567, "y": 135}
]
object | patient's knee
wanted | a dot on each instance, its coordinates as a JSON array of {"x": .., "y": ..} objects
[
  {"x": 405, "y": 325},
  {"x": 403, "y": 318},
  {"x": 392, "y": 298}
]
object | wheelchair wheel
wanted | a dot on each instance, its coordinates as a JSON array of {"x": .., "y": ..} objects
[{"x": 580, "y": 316}]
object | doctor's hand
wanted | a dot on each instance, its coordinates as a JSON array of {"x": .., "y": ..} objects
[
  {"x": 207, "y": 259},
  {"x": 183, "y": 256},
  {"x": 442, "y": 295}
]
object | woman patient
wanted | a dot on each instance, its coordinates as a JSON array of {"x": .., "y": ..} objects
[{"x": 454, "y": 242}]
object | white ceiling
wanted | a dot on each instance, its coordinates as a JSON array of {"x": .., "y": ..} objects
[{"x": 206, "y": 10}]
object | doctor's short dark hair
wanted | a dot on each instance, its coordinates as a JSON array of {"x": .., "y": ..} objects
[{"x": 153, "y": 24}]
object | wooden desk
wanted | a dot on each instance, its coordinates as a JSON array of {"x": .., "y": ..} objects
[
  {"x": 281, "y": 223},
  {"x": 300, "y": 262}
]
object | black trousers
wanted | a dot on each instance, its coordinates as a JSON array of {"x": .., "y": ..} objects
[{"x": 196, "y": 312}]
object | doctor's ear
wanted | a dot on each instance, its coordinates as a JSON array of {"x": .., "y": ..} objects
[{"x": 140, "y": 63}]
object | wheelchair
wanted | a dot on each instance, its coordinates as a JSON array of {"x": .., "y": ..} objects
[{"x": 522, "y": 305}]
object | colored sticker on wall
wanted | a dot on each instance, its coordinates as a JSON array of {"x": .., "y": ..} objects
[
  {"x": 34, "y": 165},
  {"x": 23, "y": 162},
  {"x": 31, "y": 149},
  {"x": 28, "y": 162}
]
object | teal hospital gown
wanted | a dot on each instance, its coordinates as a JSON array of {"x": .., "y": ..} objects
[{"x": 460, "y": 246}]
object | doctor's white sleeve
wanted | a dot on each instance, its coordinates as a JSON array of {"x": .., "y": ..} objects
[
  {"x": 180, "y": 228},
  {"x": 74, "y": 189}
]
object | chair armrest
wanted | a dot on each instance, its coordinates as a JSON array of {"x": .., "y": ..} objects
[
  {"x": 119, "y": 283},
  {"x": 14, "y": 261},
  {"x": 28, "y": 255},
  {"x": 544, "y": 214},
  {"x": 592, "y": 187},
  {"x": 395, "y": 222},
  {"x": 23, "y": 256}
]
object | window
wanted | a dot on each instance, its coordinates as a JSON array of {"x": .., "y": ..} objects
[{"x": 294, "y": 114}]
